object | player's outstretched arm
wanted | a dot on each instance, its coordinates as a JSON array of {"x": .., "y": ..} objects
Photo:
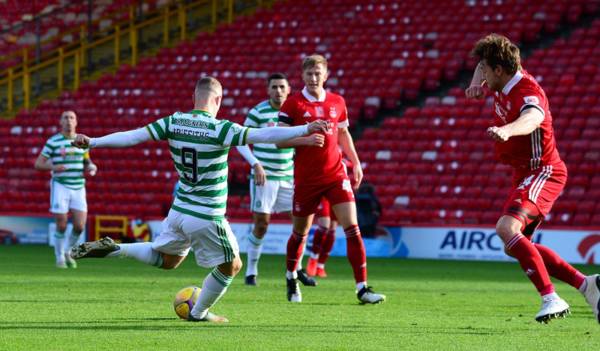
[
  {"x": 276, "y": 135},
  {"x": 317, "y": 140},
  {"x": 475, "y": 89},
  {"x": 529, "y": 120},
  {"x": 114, "y": 140},
  {"x": 347, "y": 144}
]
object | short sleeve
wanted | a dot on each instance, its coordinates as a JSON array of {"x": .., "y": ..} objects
[
  {"x": 343, "y": 121},
  {"x": 530, "y": 98},
  {"x": 231, "y": 134},
  {"x": 47, "y": 150},
  {"x": 159, "y": 129},
  {"x": 252, "y": 119},
  {"x": 286, "y": 113}
]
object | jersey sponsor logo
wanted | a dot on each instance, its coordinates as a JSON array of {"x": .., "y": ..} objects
[
  {"x": 526, "y": 182},
  {"x": 185, "y": 122},
  {"x": 500, "y": 111},
  {"x": 531, "y": 100},
  {"x": 319, "y": 111},
  {"x": 332, "y": 112},
  {"x": 307, "y": 115}
]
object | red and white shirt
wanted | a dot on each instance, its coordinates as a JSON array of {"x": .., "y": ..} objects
[
  {"x": 525, "y": 151},
  {"x": 317, "y": 165}
]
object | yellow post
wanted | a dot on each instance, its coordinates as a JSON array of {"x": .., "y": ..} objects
[
  {"x": 166, "y": 27},
  {"x": 9, "y": 97},
  {"x": 26, "y": 87},
  {"x": 182, "y": 22},
  {"x": 83, "y": 46},
  {"x": 117, "y": 45},
  {"x": 230, "y": 11},
  {"x": 61, "y": 69},
  {"x": 76, "y": 70},
  {"x": 133, "y": 40},
  {"x": 213, "y": 17},
  {"x": 25, "y": 56}
]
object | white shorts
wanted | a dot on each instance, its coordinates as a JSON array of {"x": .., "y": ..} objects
[
  {"x": 213, "y": 241},
  {"x": 62, "y": 199},
  {"x": 275, "y": 196}
]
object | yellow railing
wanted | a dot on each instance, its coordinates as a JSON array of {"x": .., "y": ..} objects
[{"x": 65, "y": 67}]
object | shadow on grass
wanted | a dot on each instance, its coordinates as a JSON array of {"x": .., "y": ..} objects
[{"x": 133, "y": 324}]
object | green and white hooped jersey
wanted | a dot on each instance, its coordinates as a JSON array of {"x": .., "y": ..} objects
[
  {"x": 59, "y": 150},
  {"x": 199, "y": 146},
  {"x": 277, "y": 163}
]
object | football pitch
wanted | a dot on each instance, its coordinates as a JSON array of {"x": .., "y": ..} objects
[{"x": 120, "y": 304}]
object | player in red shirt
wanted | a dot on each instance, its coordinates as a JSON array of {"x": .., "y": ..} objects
[
  {"x": 319, "y": 173},
  {"x": 524, "y": 137}
]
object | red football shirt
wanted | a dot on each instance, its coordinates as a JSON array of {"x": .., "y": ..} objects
[
  {"x": 317, "y": 165},
  {"x": 525, "y": 151}
]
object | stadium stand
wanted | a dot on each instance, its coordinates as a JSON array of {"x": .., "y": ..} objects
[{"x": 382, "y": 53}]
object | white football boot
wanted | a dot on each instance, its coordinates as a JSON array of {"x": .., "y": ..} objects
[
  {"x": 592, "y": 294},
  {"x": 552, "y": 308},
  {"x": 367, "y": 295}
]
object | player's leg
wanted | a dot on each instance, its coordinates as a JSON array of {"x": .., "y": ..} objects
[
  {"x": 167, "y": 251},
  {"x": 326, "y": 248},
  {"x": 59, "y": 207},
  {"x": 61, "y": 220},
  {"x": 215, "y": 246},
  {"x": 255, "y": 242},
  {"x": 509, "y": 229},
  {"x": 295, "y": 246},
  {"x": 323, "y": 222},
  {"x": 346, "y": 215},
  {"x": 262, "y": 202}
]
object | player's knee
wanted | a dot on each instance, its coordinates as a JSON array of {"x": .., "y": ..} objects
[
  {"x": 170, "y": 262},
  {"x": 260, "y": 228},
  {"x": 61, "y": 227},
  {"x": 77, "y": 230},
  {"x": 236, "y": 266},
  {"x": 507, "y": 227}
]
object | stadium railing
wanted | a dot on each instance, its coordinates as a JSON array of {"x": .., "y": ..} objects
[{"x": 64, "y": 67}]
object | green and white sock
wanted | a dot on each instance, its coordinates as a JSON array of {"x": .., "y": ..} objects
[
  {"x": 142, "y": 252},
  {"x": 254, "y": 250},
  {"x": 59, "y": 246},
  {"x": 72, "y": 240},
  {"x": 213, "y": 288}
]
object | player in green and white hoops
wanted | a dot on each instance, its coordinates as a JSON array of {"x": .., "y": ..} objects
[
  {"x": 272, "y": 175},
  {"x": 67, "y": 186},
  {"x": 199, "y": 145}
]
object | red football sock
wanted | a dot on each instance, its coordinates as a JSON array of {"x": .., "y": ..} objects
[
  {"x": 559, "y": 268},
  {"x": 531, "y": 262},
  {"x": 327, "y": 245},
  {"x": 318, "y": 240},
  {"x": 356, "y": 253},
  {"x": 295, "y": 245}
]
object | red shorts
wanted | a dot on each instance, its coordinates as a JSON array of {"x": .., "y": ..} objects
[
  {"x": 324, "y": 210},
  {"x": 308, "y": 197},
  {"x": 534, "y": 193}
]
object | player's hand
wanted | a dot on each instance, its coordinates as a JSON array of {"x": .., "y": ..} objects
[
  {"x": 259, "y": 175},
  {"x": 318, "y": 126},
  {"x": 59, "y": 168},
  {"x": 498, "y": 134},
  {"x": 92, "y": 169},
  {"x": 357, "y": 173},
  {"x": 317, "y": 140},
  {"x": 475, "y": 92},
  {"x": 81, "y": 141}
]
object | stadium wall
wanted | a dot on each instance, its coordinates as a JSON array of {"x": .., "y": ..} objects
[{"x": 452, "y": 243}]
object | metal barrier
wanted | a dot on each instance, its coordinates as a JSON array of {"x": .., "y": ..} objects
[{"x": 64, "y": 68}]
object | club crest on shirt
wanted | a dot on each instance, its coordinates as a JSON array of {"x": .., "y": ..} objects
[
  {"x": 531, "y": 100},
  {"x": 332, "y": 112}
]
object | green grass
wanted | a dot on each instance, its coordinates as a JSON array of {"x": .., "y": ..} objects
[{"x": 119, "y": 304}]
